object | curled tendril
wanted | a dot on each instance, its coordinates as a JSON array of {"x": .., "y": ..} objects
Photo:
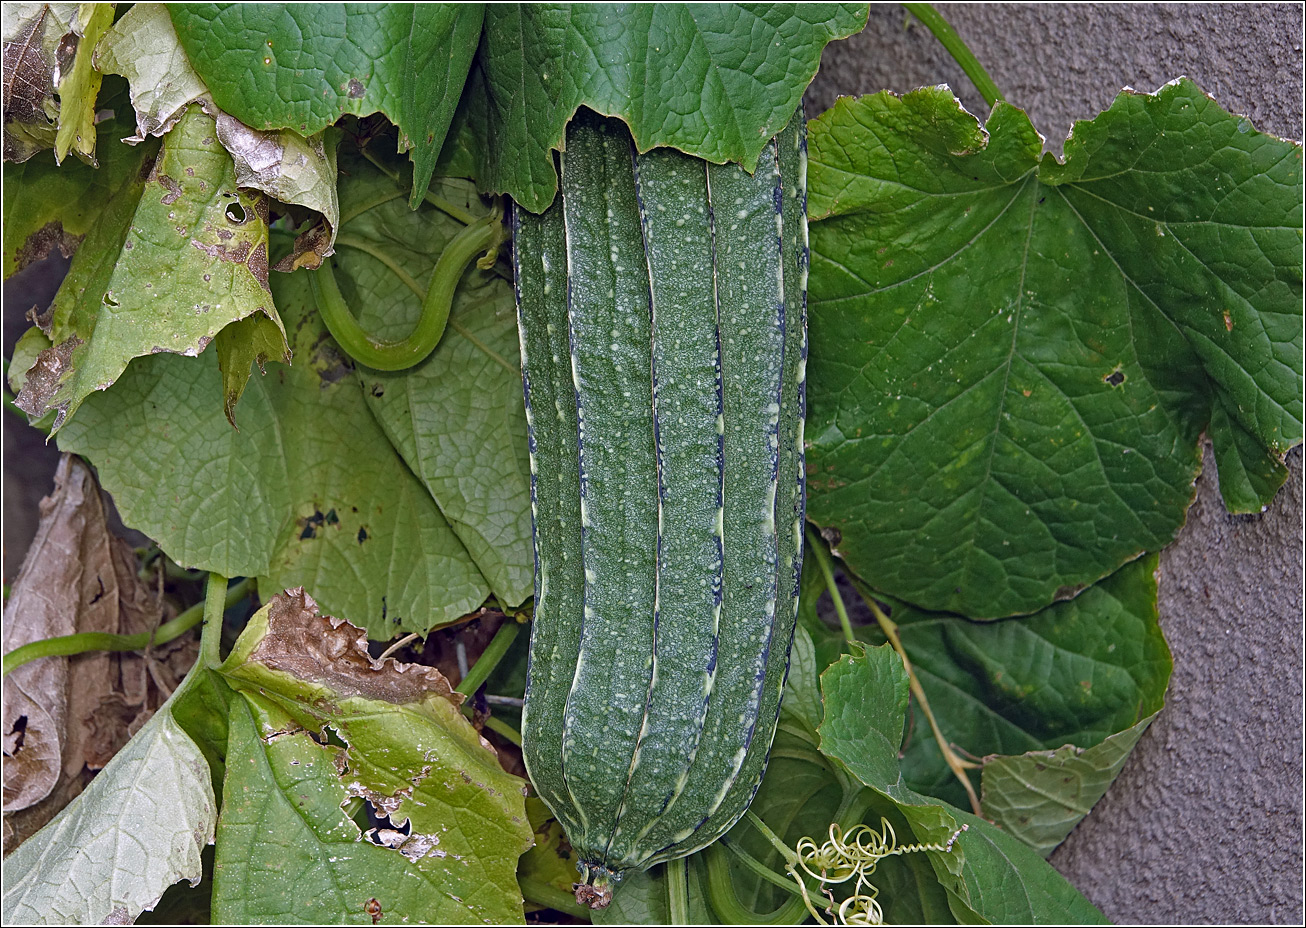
[{"x": 855, "y": 854}]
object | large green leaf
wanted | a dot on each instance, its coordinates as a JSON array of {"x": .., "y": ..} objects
[
  {"x": 170, "y": 262},
  {"x": 138, "y": 828},
  {"x": 716, "y": 80},
  {"x": 309, "y": 491},
  {"x": 452, "y": 822},
  {"x": 300, "y": 67},
  {"x": 1012, "y": 358},
  {"x": 988, "y": 873},
  {"x": 457, "y": 418}
]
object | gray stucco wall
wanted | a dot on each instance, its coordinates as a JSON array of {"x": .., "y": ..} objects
[{"x": 1205, "y": 823}]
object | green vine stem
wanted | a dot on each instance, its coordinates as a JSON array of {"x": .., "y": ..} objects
[
  {"x": 82, "y": 642},
  {"x": 489, "y": 658},
  {"x": 481, "y": 236},
  {"x": 678, "y": 891},
  {"x": 955, "y": 763},
  {"x": 948, "y": 37},
  {"x": 215, "y": 602}
]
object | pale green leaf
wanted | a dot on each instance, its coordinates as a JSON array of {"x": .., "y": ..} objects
[
  {"x": 137, "y": 828},
  {"x": 458, "y": 418},
  {"x": 452, "y": 822},
  {"x": 79, "y": 83},
  {"x": 165, "y": 273},
  {"x": 142, "y": 47},
  {"x": 307, "y": 493}
]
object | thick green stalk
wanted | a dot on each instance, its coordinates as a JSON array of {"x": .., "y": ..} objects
[
  {"x": 948, "y": 37},
  {"x": 215, "y": 603},
  {"x": 678, "y": 891},
  {"x": 725, "y": 901}
]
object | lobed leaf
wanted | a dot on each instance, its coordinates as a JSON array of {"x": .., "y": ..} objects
[
  {"x": 1013, "y": 358},
  {"x": 714, "y": 80}
]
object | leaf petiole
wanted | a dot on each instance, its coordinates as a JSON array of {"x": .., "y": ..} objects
[
  {"x": 933, "y": 20},
  {"x": 823, "y": 562},
  {"x": 489, "y": 658}
]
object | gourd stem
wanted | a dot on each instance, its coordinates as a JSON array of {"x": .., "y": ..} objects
[
  {"x": 955, "y": 763},
  {"x": 823, "y": 562},
  {"x": 82, "y": 642},
  {"x": 489, "y": 658},
  {"x": 947, "y": 36},
  {"x": 678, "y": 891},
  {"x": 785, "y": 850},
  {"x": 386, "y": 355}
]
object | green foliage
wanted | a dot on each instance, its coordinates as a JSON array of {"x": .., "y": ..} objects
[
  {"x": 991, "y": 431},
  {"x": 1012, "y": 360}
]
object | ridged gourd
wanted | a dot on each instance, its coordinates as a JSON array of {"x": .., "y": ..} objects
[{"x": 662, "y": 314}]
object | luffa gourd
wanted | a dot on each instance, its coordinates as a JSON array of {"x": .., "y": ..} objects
[{"x": 661, "y": 307}]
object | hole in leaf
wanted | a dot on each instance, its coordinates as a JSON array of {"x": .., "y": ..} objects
[
  {"x": 1115, "y": 378},
  {"x": 236, "y": 213}
]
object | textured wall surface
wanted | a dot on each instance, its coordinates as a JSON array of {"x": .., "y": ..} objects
[{"x": 1205, "y": 823}]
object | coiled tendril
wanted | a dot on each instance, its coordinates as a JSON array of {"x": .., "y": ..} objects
[{"x": 855, "y": 854}]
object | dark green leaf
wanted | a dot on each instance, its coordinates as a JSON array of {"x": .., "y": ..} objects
[
  {"x": 1012, "y": 359},
  {"x": 714, "y": 80},
  {"x": 308, "y": 492},
  {"x": 300, "y": 67}
]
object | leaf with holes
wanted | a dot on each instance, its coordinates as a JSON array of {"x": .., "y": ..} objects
[
  {"x": 1012, "y": 358},
  {"x": 452, "y": 823}
]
